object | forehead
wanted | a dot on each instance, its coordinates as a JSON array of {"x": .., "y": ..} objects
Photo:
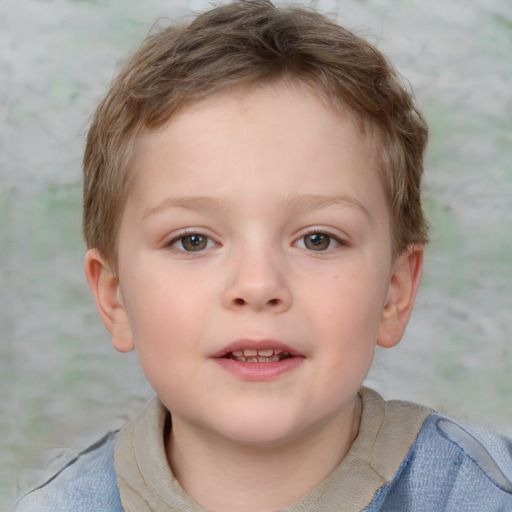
[
  {"x": 300, "y": 100},
  {"x": 288, "y": 129}
]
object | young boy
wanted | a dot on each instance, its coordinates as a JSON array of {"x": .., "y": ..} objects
[{"x": 253, "y": 216}]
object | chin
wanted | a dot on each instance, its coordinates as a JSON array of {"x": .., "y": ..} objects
[{"x": 260, "y": 431}]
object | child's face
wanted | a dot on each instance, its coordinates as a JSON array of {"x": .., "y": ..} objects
[{"x": 257, "y": 221}]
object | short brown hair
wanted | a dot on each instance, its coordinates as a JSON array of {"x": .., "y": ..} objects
[{"x": 236, "y": 45}]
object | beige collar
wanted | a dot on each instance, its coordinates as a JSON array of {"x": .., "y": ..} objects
[{"x": 386, "y": 432}]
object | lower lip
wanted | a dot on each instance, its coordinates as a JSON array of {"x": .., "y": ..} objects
[{"x": 259, "y": 371}]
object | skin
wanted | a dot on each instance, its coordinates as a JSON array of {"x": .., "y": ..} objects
[{"x": 254, "y": 178}]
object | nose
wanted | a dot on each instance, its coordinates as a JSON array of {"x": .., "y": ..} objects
[{"x": 257, "y": 282}]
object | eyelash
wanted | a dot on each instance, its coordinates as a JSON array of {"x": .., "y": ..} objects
[
  {"x": 188, "y": 234},
  {"x": 331, "y": 237},
  {"x": 209, "y": 242}
]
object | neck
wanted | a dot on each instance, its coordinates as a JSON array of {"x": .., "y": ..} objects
[{"x": 227, "y": 477}]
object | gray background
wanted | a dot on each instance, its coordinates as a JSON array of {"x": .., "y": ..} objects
[{"x": 61, "y": 383}]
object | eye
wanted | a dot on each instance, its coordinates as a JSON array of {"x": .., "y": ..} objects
[
  {"x": 192, "y": 242},
  {"x": 318, "y": 241}
]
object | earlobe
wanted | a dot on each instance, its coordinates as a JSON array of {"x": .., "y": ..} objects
[
  {"x": 109, "y": 300},
  {"x": 403, "y": 287}
]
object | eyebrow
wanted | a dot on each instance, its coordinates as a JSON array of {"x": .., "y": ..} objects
[
  {"x": 305, "y": 202},
  {"x": 302, "y": 202},
  {"x": 187, "y": 202}
]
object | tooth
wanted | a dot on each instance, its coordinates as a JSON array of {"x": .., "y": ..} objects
[
  {"x": 265, "y": 353},
  {"x": 250, "y": 352},
  {"x": 238, "y": 353}
]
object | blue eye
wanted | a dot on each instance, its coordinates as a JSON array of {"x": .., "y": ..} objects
[
  {"x": 318, "y": 241},
  {"x": 192, "y": 242}
]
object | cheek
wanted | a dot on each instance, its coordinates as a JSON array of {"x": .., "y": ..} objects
[
  {"x": 167, "y": 315},
  {"x": 352, "y": 299},
  {"x": 165, "y": 335},
  {"x": 346, "y": 322}
]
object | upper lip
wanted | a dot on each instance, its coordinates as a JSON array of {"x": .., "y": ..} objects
[{"x": 251, "y": 344}]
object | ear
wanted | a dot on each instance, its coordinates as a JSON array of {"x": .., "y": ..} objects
[
  {"x": 403, "y": 286},
  {"x": 104, "y": 285}
]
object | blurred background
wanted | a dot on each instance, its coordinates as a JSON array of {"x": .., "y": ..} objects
[{"x": 61, "y": 383}]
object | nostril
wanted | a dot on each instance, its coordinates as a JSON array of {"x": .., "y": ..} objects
[
  {"x": 239, "y": 302},
  {"x": 274, "y": 302}
]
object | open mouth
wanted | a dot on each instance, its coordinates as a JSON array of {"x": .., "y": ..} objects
[
  {"x": 258, "y": 356},
  {"x": 258, "y": 360}
]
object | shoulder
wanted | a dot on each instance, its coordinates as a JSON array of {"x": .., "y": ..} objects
[
  {"x": 87, "y": 483},
  {"x": 451, "y": 467},
  {"x": 472, "y": 450}
]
